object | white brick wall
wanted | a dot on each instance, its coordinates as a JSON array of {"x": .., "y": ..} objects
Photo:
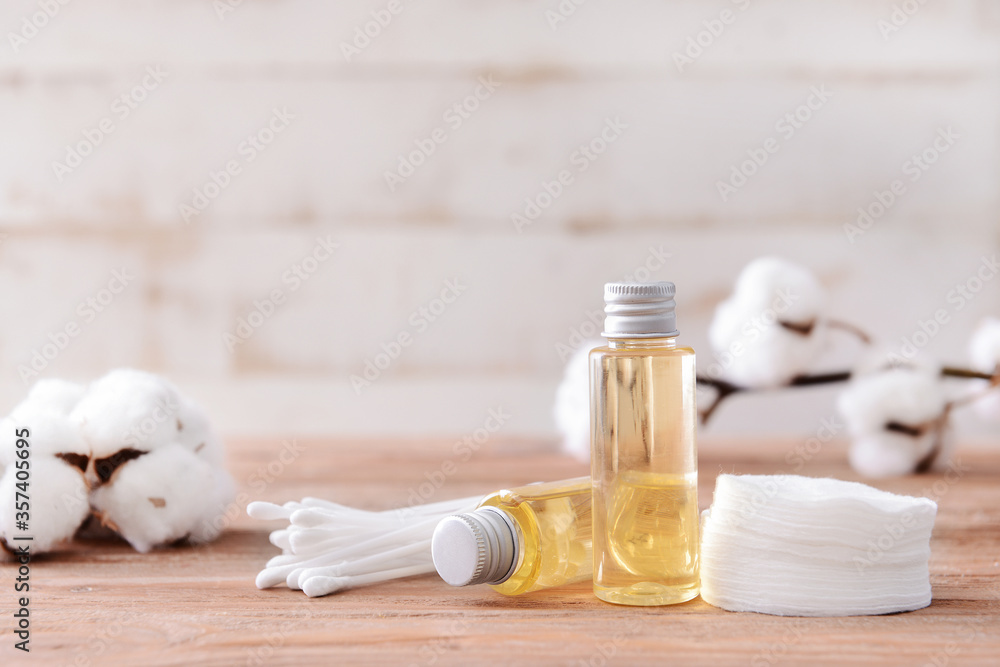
[{"x": 323, "y": 176}]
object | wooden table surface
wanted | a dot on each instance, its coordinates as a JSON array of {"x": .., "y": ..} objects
[{"x": 101, "y": 603}]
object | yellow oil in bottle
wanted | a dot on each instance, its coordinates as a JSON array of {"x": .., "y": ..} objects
[
  {"x": 644, "y": 470},
  {"x": 554, "y": 533},
  {"x": 650, "y": 543}
]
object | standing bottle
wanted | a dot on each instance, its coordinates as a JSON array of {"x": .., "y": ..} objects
[
  {"x": 519, "y": 540},
  {"x": 644, "y": 458}
]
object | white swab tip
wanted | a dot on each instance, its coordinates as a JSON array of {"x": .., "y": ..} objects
[
  {"x": 319, "y": 586},
  {"x": 310, "y": 518},
  {"x": 270, "y": 577},
  {"x": 266, "y": 511},
  {"x": 292, "y": 580},
  {"x": 280, "y": 539}
]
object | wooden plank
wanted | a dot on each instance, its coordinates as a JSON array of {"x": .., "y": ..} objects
[
  {"x": 673, "y": 143},
  {"x": 104, "y": 604},
  {"x": 497, "y": 344},
  {"x": 448, "y": 35}
]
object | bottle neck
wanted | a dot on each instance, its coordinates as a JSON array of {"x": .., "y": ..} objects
[
  {"x": 501, "y": 543},
  {"x": 666, "y": 342}
]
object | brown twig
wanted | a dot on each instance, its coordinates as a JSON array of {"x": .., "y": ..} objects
[
  {"x": 951, "y": 371},
  {"x": 724, "y": 389},
  {"x": 994, "y": 379},
  {"x": 803, "y": 329},
  {"x": 850, "y": 328},
  {"x": 939, "y": 425},
  {"x": 821, "y": 378}
]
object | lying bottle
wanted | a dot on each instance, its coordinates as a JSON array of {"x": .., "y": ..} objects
[{"x": 519, "y": 540}]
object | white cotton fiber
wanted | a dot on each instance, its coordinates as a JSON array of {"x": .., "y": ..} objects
[
  {"x": 875, "y": 404},
  {"x": 887, "y": 454},
  {"x": 58, "y": 504},
  {"x": 128, "y": 447},
  {"x": 984, "y": 346},
  {"x": 44, "y": 412},
  {"x": 156, "y": 498},
  {"x": 984, "y": 353},
  {"x": 49, "y": 433},
  {"x": 572, "y": 406},
  {"x": 216, "y": 509},
  {"x": 752, "y": 346},
  {"x": 128, "y": 408},
  {"x": 8, "y": 438},
  {"x": 798, "y": 546},
  {"x": 196, "y": 433},
  {"x": 52, "y": 394}
]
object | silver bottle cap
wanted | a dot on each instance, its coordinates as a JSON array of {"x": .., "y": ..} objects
[
  {"x": 639, "y": 310},
  {"x": 479, "y": 547}
]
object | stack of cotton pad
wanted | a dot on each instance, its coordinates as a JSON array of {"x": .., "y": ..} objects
[{"x": 798, "y": 546}]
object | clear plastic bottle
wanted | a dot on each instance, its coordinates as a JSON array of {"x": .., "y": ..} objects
[
  {"x": 519, "y": 540},
  {"x": 644, "y": 459}
]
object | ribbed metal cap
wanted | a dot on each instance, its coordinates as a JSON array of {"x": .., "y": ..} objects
[
  {"x": 639, "y": 310},
  {"x": 479, "y": 547}
]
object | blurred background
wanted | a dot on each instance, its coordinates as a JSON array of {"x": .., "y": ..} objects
[{"x": 262, "y": 200}]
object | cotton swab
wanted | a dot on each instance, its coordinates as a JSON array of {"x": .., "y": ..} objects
[
  {"x": 281, "y": 539},
  {"x": 328, "y": 547},
  {"x": 319, "y": 586},
  {"x": 418, "y": 551},
  {"x": 267, "y": 511}
]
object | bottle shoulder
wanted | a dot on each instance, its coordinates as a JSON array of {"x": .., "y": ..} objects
[
  {"x": 537, "y": 492},
  {"x": 675, "y": 351}
]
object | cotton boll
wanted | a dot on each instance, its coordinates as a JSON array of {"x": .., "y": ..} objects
[
  {"x": 58, "y": 503},
  {"x": 50, "y": 433},
  {"x": 45, "y": 413},
  {"x": 7, "y": 442},
  {"x": 157, "y": 498},
  {"x": 988, "y": 407},
  {"x": 886, "y": 454},
  {"x": 218, "y": 504},
  {"x": 984, "y": 346},
  {"x": 128, "y": 409},
  {"x": 984, "y": 353},
  {"x": 197, "y": 434},
  {"x": 791, "y": 290},
  {"x": 52, "y": 394},
  {"x": 892, "y": 417},
  {"x": 878, "y": 358},
  {"x": 905, "y": 395},
  {"x": 572, "y": 407},
  {"x": 769, "y": 329},
  {"x": 152, "y": 455}
]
